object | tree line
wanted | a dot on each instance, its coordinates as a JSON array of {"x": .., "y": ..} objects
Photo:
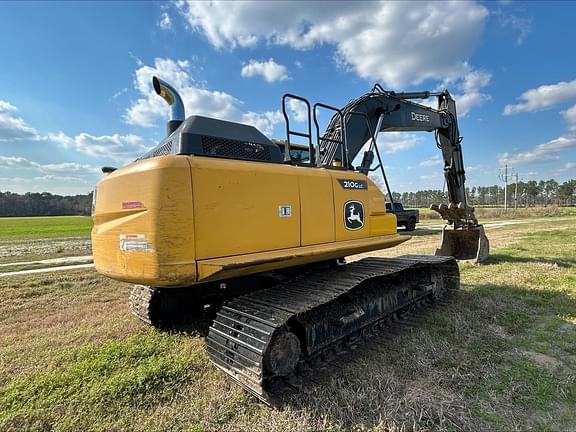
[
  {"x": 44, "y": 204},
  {"x": 524, "y": 194}
]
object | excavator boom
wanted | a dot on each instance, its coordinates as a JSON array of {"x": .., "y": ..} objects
[{"x": 382, "y": 111}]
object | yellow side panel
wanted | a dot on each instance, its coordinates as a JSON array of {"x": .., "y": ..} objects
[
  {"x": 376, "y": 221},
  {"x": 344, "y": 196},
  {"x": 143, "y": 223},
  {"x": 241, "y": 265},
  {"x": 381, "y": 223},
  {"x": 237, "y": 207},
  {"x": 317, "y": 206}
]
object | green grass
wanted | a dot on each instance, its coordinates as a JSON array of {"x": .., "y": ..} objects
[
  {"x": 500, "y": 356},
  {"x": 483, "y": 213},
  {"x": 136, "y": 372},
  {"x": 20, "y": 228},
  {"x": 531, "y": 289}
]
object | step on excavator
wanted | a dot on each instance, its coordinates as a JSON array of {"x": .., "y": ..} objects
[{"x": 217, "y": 213}]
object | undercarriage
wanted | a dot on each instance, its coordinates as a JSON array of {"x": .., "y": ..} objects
[{"x": 265, "y": 339}]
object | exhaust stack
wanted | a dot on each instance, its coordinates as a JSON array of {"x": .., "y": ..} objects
[{"x": 172, "y": 98}]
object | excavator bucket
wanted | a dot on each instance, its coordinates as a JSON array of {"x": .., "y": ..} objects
[{"x": 465, "y": 244}]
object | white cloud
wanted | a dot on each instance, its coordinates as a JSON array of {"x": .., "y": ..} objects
[
  {"x": 264, "y": 121},
  {"x": 269, "y": 70},
  {"x": 65, "y": 185},
  {"x": 476, "y": 168},
  {"x": 60, "y": 178},
  {"x": 522, "y": 26},
  {"x": 7, "y": 106},
  {"x": 468, "y": 101},
  {"x": 65, "y": 167},
  {"x": 23, "y": 175},
  {"x": 119, "y": 93},
  {"x": 432, "y": 177},
  {"x": 298, "y": 109},
  {"x": 12, "y": 127},
  {"x": 137, "y": 59},
  {"x": 548, "y": 151},
  {"x": 543, "y": 97},
  {"x": 62, "y": 167},
  {"x": 150, "y": 108},
  {"x": 119, "y": 148},
  {"x": 394, "y": 142},
  {"x": 570, "y": 117},
  {"x": 369, "y": 37},
  {"x": 469, "y": 89},
  {"x": 165, "y": 23},
  {"x": 466, "y": 89},
  {"x": 436, "y": 160},
  {"x": 566, "y": 171}
]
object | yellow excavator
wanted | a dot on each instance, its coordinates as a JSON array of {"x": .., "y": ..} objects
[{"x": 217, "y": 212}]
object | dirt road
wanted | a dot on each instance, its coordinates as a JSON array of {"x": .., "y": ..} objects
[{"x": 85, "y": 261}]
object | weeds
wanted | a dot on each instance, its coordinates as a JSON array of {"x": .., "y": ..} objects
[
  {"x": 511, "y": 213},
  {"x": 501, "y": 356}
]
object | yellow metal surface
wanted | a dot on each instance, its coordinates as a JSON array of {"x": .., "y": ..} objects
[
  {"x": 317, "y": 206},
  {"x": 376, "y": 223},
  {"x": 237, "y": 204},
  {"x": 143, "y": 223},
  {"x": 381, "y": 223},
  {"x": 225, "y": 268},
  {"x": 181, "y": 220}
]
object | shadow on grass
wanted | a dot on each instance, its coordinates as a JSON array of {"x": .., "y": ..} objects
[
  {"x": 505, "y": 258},
  {"x": 420, "y": 232},
  {"x": 197, "y": 324},
  {"x": 409, "y": 373}
]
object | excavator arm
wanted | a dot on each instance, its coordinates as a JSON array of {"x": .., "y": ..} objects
[{"x": 362, "y": 119}]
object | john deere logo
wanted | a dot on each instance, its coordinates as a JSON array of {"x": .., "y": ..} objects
[{"x": 353, "y": 215}]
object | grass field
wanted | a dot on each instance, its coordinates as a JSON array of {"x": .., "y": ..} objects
[
  {"x": 25, "y": 228},
  {"x": 487, "y": 213},
  {"x": 18, "y": 228},
  {"x": 34, "y": 238},
  {"x": 501, "y": 356}
]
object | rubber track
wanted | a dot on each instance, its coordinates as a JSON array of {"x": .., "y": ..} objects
[
  {"x": 243, "y": 328},
  {"x": 142, "y": 302}
]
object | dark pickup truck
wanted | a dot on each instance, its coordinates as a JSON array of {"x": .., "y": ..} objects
[{"x": 406, "y": 218}]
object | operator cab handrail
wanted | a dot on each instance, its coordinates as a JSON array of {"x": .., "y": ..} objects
[
  {"x": 290, "y": 132},
  {"x": 341, "y": 142},
  {"x": 314, "y": 152}
]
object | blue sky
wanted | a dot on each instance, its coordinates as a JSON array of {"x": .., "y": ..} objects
[{"x": 75, "y": 89}]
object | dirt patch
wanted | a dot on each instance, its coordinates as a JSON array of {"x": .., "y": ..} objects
[
  {"x": 47, "y": 269},
  {"x": 499, "y": 331},
  {"x": 543, "y": 360},
  {"x": 22, "y": 248},
  {"x": 567, "y": 326}
]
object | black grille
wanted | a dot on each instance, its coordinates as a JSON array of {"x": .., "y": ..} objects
[
  {"x": 164, "y": 149},
  {"x": 214, "y": 146}
]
